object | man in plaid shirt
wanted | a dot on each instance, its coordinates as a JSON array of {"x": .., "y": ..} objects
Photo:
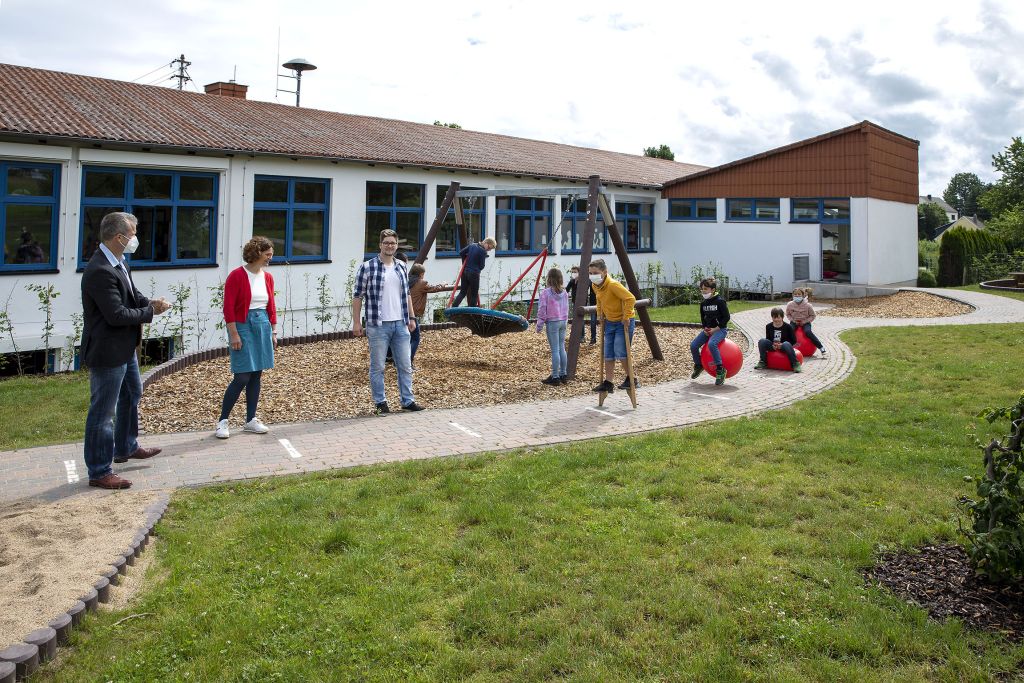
[{"x": 382, "y": 285}]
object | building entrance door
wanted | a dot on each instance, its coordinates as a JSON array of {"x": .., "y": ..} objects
[{"x": 835, "y": 252}]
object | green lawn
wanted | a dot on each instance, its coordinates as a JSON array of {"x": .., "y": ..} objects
[
  {"x": 690, "y": 313},
  {"x": 37, "y": 410},
  {"x": 726, "y": 552},
  {"x": 977, "y": 288}
]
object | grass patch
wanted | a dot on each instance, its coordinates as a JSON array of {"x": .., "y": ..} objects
[
  {"x": 38, "y": 411},
  {"x": 729, "y": 551},
  {"x": 977, "y": 288},
  {"x": 690, "y": 313}
]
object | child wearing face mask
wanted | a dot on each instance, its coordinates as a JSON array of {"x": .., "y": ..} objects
[
  {"x": 714, "y": 316},
  {"x": 801, "y": 314},
  {"x": 616, "y": 305},
  {"x": 574, "y": 275}
]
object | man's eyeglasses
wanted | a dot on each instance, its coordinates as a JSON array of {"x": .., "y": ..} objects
[{"x": 390, "y": 244}]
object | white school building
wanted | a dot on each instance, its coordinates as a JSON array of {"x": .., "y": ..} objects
[{"x": 204, "y": 172}]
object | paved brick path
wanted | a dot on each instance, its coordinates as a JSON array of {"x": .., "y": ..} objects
[{"x": 196, "y": 458}]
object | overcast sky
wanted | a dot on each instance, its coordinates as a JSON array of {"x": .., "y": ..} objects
[{"x": 716, "y": 81}]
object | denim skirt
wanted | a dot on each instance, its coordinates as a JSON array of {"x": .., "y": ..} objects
[{"x": 257, "y": 352}]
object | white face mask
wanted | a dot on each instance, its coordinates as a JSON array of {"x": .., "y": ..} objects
[
  {"x": 797, "y": 299},
  {"x": 597, "y": 279},
  {"x": 572, "y": 276},
  {"x": 707, "y": 295},
  {"x": 132, "y": 245}
]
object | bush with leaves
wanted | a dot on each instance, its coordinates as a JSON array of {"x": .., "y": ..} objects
[
  {"x": 958, "y": 246},
  {"x": 996, "y": 536},
  {"x": 926, "y": 278}
]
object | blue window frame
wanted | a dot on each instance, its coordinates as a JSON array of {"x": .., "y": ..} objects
[
  {"x": 523, "y": 224},
  {"x": 693, "y": 210},
  {"x": 819, "y": 210},
  {"x": 636, "y": 224},
  {"x": 759, "y": 210},
  {"x": 572, "y": 228},
  {"x": 177, "y": 213},
  {"x": 474, "y": 213},
  {"x": 398, "y": 206},
  {"x": 294, "y": 214},
  {"x": 28, "y": 216}
]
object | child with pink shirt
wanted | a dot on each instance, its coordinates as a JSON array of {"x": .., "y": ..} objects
[
  {"x": 801, "y": 315},
  {"x": 552, "y": 314}
]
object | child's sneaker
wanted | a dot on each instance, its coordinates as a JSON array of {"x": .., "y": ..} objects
[
  {"x": 798, "y": 368},
  {"x": 822, "y": 352},
  {"x": 625, "y": 384},
  {"x": 761, "y": 365},
  {"x": 255, "y": 426},
  {"x": 605, "y": 386},
  {"x": 696, "y": 372},
  {"x": 381, "y": 408},
  {"x": 720, "y": 375},
  {"x": 222, "y": 430}
]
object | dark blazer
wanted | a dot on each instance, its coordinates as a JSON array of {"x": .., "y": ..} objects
[{"x": 113, "y": 313}]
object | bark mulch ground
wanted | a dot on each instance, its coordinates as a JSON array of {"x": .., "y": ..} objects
[
  {"x": 939, "y": 578},
  {"x": 328, "y": 380},
  {"x": 899, "y": 305}
]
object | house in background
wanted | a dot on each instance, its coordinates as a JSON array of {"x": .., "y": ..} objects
[
  {"x": 951, "y": 213},
  {"x": 206, "y": 171},
  {"x": 966, "y": 222}
]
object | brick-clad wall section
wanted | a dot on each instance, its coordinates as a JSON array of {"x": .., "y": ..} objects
[{"x": 859, "y": 161}]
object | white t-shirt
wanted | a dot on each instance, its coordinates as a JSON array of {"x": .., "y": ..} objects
[
  {"x": 391, "y": 295},
  {"x": 258, "y": 289}
]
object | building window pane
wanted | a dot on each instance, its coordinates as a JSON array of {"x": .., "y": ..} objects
[
  {"x": 740, "y": 209},
  {"x": 473, "y": 214},
  {"x": 407, "y": 225},
  {"x": 380, "y": 194},
  {"x": 26, "y": 181},
  {"x": 308, "y": 233},
  {"x": 91, "y": 217},
  {"x": 298, "y": 233},
  {"x": 526, "y": 226},
  {"x": 575, "y": 223},
  {"x": 636, "y": 221},
  {"x": 767, "y": 210},
  {"x": 310, "y": 193},
  {"x": 398, "y": 206},
  {"x": 375, "y": 222},
  {"x": 195, "y": 227},
  {"x": 195, "y": 188},
  {"x": 27, "y": 237},
  {"x": 275, "y": 191},
  {"x": 154, "y": 233},
  {"x": 680, "y": 209},
  {"x": 152, "y": 186},
  {"x": 805, "y": 209},
  {"x": 105, "y": 184},
  {"x": 408, "y": 195},
  {"x": 836, "y": 209},
  {"x": 272, "y": 224},
  {"x": 707, "y": 209}
]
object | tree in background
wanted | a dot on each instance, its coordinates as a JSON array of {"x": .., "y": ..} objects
[
  {"x": 929, "y": 217},
  {"x": 663, "y": 152},
  {"x": 1005, "y": 198},
  {"x": 447, "y": 125},
  {"x": 963, "y": 192}
]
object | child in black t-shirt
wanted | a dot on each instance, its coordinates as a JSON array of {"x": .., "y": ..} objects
[
  {"x": 714, "y": 316},
  {"x": 778, "y": 336}
]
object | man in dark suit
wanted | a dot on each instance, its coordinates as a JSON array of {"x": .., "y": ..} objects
[{"x": 114, "y": 313}]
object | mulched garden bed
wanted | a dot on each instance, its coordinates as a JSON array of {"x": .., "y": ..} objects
[
  {"x": 939, "y": 578},
  {"x": 898, "y": 305}
]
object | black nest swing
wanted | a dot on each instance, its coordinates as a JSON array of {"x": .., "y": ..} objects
[{"x": 485, "y": 322}]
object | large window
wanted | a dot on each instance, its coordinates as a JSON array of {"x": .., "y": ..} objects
[
  {"x": 808, "y": 210},
  {"x": 766, "y": 210},
  {"x": 398, "y": 206},
  {"x": 636, "y": 224},
  {"x": 692, "y": 210},
  {"x": 572, "y": 228},
  {"x": 28, "y": 216},
  {"x": 177, "y": 213},
  {"x": 523, "y": 224},
  {"x": 293, "y": 214},
  {"x": 474, "y": 213}
]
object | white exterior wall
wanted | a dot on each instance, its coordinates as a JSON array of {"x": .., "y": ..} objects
[{"x": 891, "y": 242}]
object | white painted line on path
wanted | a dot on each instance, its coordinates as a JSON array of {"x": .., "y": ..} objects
[
  {"x": 72, "y": 469},
  {"x": 292, "y": 451},
  {"x": 720, "y": 398},
  {"x": 605, "y": 412},
  {"x": 468, "y": 431}
]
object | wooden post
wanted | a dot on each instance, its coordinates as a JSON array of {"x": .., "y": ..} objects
[
  {"x": 630, "y": 277},
  {"x": 428, "y": 239},
  {"x": 583, "y": 281}
]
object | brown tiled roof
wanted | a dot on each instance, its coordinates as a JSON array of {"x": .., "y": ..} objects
[{"x": 54, "y": 104}]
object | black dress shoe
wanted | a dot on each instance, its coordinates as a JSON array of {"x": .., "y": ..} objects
[
  {"x": 550, "y": 380},
  {"x": 381, "y": 408},
  {"x": 412, "y": 407},
  {"x": 625, "y": 384}
]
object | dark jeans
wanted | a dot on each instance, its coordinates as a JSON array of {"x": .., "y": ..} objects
[
  {"x": 250, "y": 381},
  {"x": 114, "y": 394},
  {"x": 593, "y": 329},
  {"x": 810, "y": 335},
  {"x": 470, "y": 285},
  {"x": 414, "y": 341},
  {"x": 765, "y": 345}
]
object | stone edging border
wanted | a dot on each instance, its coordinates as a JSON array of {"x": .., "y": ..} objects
[{"x": 19, "y": 661}]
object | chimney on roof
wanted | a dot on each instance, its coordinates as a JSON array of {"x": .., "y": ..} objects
[
  {"x": 229, "y": 89},
  {"x": 208, "y": 90}
]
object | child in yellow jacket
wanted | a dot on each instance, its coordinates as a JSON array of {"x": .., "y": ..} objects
[{"x": 615, "y": 305}]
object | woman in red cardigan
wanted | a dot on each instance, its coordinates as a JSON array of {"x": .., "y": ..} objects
[{"x": 250, "y": 315}]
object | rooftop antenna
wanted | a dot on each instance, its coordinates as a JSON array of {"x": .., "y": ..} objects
[
  {"x": 298, "y": 65},
  {"x": 182, "y": 75}
]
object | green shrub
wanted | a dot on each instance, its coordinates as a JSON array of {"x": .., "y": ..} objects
[
  {"x": 958, "y": 246},
  {"x": 996, "y": 536},
  {"x": 925, "y": 278}
]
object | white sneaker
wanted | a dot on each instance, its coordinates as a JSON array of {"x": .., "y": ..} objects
[
  {"x": 222, "y": 430},
  {"x": 823, "y": 354},
  {"x": 255, "y": 426}
]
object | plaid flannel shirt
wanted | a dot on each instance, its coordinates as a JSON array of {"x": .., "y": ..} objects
[{"x": 370, "y": 285}]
